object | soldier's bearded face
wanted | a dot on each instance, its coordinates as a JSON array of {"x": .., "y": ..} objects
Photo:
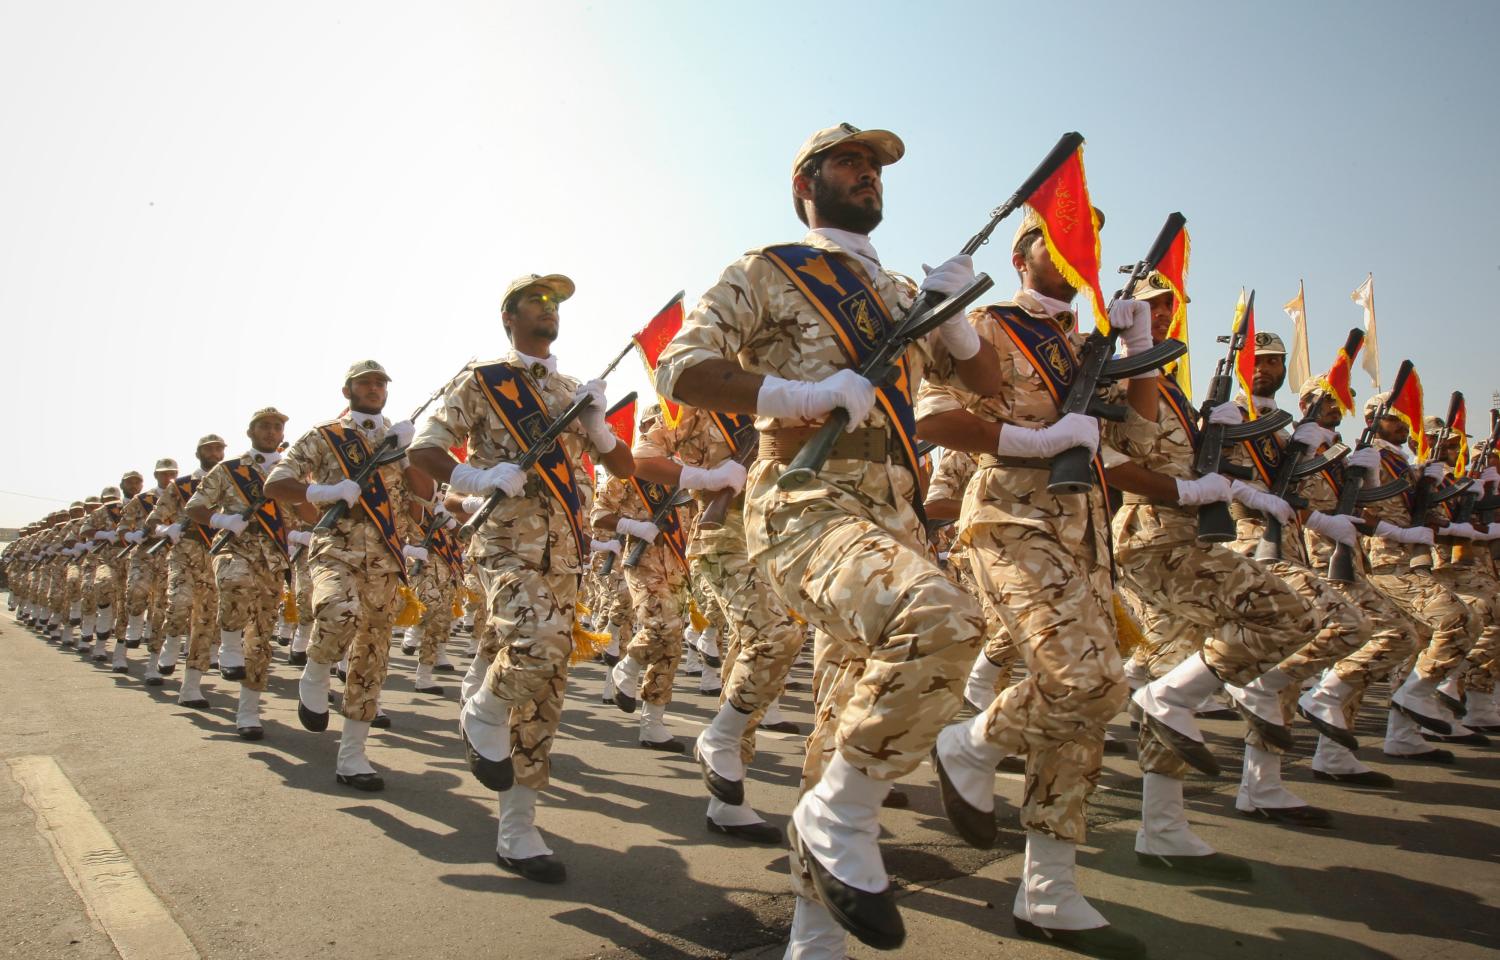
[
  {"x": 164, "y": 477},
  {"x": 534, "y": 317},
  {"x": 847, "y": 191},
  {"x": 266, "y": 434},
  {"x": 1041, "y": 274},
  {"x": 210, "y": 454},
  {"x": 1270, "y": 374},
  {"x": 131, "y": 487},
  {"x": 367, "y": 393},
  {"x": 1392, "y": 431}
]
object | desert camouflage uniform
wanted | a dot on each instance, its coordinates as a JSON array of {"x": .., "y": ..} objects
[
  {"x": 146, "y": 577},
  {"x": 192, "y": 594},
  {"x": 1468, "y": 569},
  {"x": 848, "y": 551},
  {"x": 248, "y": 572},
  {"x": 527, "y": 563},
  {"x": 107, "y": 563},
  {"x": 437, "y": 587}
]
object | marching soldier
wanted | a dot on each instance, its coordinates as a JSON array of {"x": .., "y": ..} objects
[
  {"x": 528, "y": 554},
  {"x": 848, "y": 551},
  {"x": 104, "y": 575},
  {"x": 247, "y": 571},
  {"x": 146, "y": 576}
]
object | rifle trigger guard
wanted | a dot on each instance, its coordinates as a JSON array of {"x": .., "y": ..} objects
[
  {"x": 1385, "y": 491},
  {"x": 1239, "y": 471},
  {"x": 1114, "y": 412},
  {"x": 1260, "y": 427},
  {"x": 1123, "y": 368}
]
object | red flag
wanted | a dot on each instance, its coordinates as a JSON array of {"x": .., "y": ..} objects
[
  {"x": 1173, "y": 269},
  {"x": 1337, "y": 380},
  {"x": 622, "y": 422},
  {"x": 460, "y": 452},
  {"x": 1461, "y": 431},
  {"x": 1244, "y": 361},
  {"x": 588, "y": 466},
  {"x": 653, "y": 339},
  {"x": 1065, "y": 215},
  {"x": 1406, "y": 406}
]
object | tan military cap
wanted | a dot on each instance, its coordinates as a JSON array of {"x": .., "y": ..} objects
[
  {"x": 1269, "y": 345},
  {"x": 206, "y": 439},
  {"x": 108, "y": 494},
  {"x": 887, "y": 146},
  {"x": 268, "y": 413},
  {"x": 363, "y": 367},
  {"x": 1432, "y": 425},
  {"x": 166, "y": 463},
  {"x": 91, "y": 501},
  {"x": 1310, "y": 388},
  {"x": 1154, "y": 285},
  {"x": 1375, "y": 403},
  {"x": 131, "y": 474},
  {"x": 562, "y": 288},
  {"x": 1031, "y": 222}
]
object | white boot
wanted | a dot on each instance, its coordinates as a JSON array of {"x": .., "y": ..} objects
[
  {"x": 773, "y": 714},
  {"x": 352, "y": 760},
  {"x": 838, "y": 823},
  {"x": 168, "y": 655},
  {"x": 1484, "y": 708},
  {"x": 979, "y": 688},
  {"x": 969, "y": 762},
  {"x": 153, "y": 674},
  {"x": 247, "y": 716},
  {"x": 1171, "y": 699},
  {"x": 708, "y": 644},
  {"x": 1326, "y": 699},
  {"x": 101, "y": 645},
  {"x": 213, "y": 655},
  {"x": 690, "y": 666},
  {"x": 627, "y": 676},
  {"x": 412, "y": 642},
  {"x": 1135, "y": 674},
  {"x": 424, "y": 680},
  {"x": 710, "y": 683},
  {"x": 283, "y": 630},
  {"x": 473, "y": 679},
  {"x": 135, "y": 628},
  {"x": 231, "y": 653},
  {"x": 518, "y": 837},
  {"x": 1260, "y": 783},
  {"x": 1048, "y": 894},
  {"x": 1403, "y": 738},
  {"x": 654, "y": 724},
  {"x": 120, "y": 664},
  {"x": 1331, "y": 758},
  {"x": 313, "y": 687},
  {"x": 104, "y": 621},
  {"x": 302, "y": 637},
  {"x": 732, "y": 815},
  {"x": 719, "y": 743},
  {"x": 441, "y": 660},
  {"x": 1164, "y": 827},
  {"x": 1262, "y": 696},
  {"x": 190, "y": 691},
  {"x": 815, "y": 934},
  {"x": 1418, "y": 698},
  {"x": 485, "y": 720}
]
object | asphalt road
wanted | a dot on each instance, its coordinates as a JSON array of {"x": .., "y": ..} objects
[{"x": 255, "y": 851}]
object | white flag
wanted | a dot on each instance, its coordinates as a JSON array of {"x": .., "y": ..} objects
[
  {"x": 1369, "y": 357},
  {"x": 1298, "y": 369}
]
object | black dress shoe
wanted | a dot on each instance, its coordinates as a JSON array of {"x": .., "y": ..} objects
[
  {"x": 543, "y": 869},
  {"x": 409, "y": 651},
  {"x": 691, "y": 673},
  {"x": 311, "y": 720},
  {"x": 1370, "y": 778},
  {"x": 368, "y": 782},
  {"x": 445, "y": 668},
  {"x": 283, "y": 641},
  {"x": 1426, "y": 756},
  {"x": 297, "y": 658},
  {"x": 1218, "y": 713},
  {"x": 751, "y": 832},
  {"x": 1338, "y": 735},
  {"x": 1276, "y": 734},
  {"x": 251, "y": 733},
  {"x": 713, "y": 662},
  {"x": 669, "y": 745},
  {"x": 1430, "y": 724},
  {"x": 1192, "y": 752},
  {"x": 607, "y": 701},
  {"x": 153, "y": 681},
  {"x": 199, "y": 704},
  {"x": 232, "y": 673},
  {"x": 610, "y": 659},
  {"x": 785, "y": 726},
  {"x": 1012, "y": 764},
  {"x": 434, "y": 690},
  {"x": 725, "y": 790},
  {"x": 167, "y": 670},
  {"x": 1105, "y": 942},
  {"x": 975, "y": 826},
  {"x": 124, "y": 669},
  {"x": 1116, "y": 748},
  {"x": 896, "y": 799},
  {"x": 1484, "y": 728},
  {"x": 1303, "y": 816},
  {"x": 627, "y": 704},
  {"x": 1212, "y": 866},
  {"x": 99, "y": 657},
  {"x": 871, "y": 917},
  {"x": 498, "y": 775},
  {"x": 1473, "y": 738},
  {"x": 381, "y": 722},
  {"x": 1455, "y": 707},
  {"x": 213, "y": 665},
  {"x": 132, "y": 644}
]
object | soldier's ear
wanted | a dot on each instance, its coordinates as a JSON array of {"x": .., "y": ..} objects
[{"x": 345, "y": 391}]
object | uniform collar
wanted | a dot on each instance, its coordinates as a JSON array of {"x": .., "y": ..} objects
[
  {"x": 1047, "y": 308},
  {"x": 369, "y": 424},
  {"x": 540, "y": 368},
  {"x": 856, "y": 245},
  {"x": 263, "y": 461}
]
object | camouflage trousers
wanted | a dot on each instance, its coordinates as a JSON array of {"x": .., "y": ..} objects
[
  {"x": 618, "y": 616},
  {"x": 1423, "y": 596},
  {"x": 249, "y": 596},
  {"x": 1055, "y": 599},
  {"x": 192, "y": 601},
  {"x": 437, "y": 589},
  {"x": 146, "y": 593},
  {"x": 1481, "y": 591},
  {"x": 109, "y": 586},
  {"x": 72, "y": 589},
  {"x": 479, "y": 612},
  {"x": 302, "y": 587},
  {"x": 998, "y": 648},
  {"x": 903, "y": 633},
  {"x": 762, "y": 638},
  {"x": 658, "y": 595},
  {"x": 353, "y": 609},
  {"x": 531, "y": 615}
]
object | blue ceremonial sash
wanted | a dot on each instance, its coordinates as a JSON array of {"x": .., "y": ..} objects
[
  {"x": 653, "y": 495},
  {"x": 1266, "y": 454},
  {"x": 186, "y": 486},
  {"x": 861, "y": 321},
  {"x": 248, "y": 481},
  {"x": 731, "y": 427},
  {"x": 524, "y": 415},
  {"x": 447, "y": 548},
  {"x": 1395, "y": 467},
  {"x": 352, "y": 452}
]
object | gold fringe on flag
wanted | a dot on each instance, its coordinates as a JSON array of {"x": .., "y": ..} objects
[
  {"x": 1128, "y": 633},
  {"x": 587, "y": 645},
  {"x": 700, "y": 622},
  {"x": 289, "y": 606},
  {"x": 412, "y": 609},
  {"x": 458, "y": 607}
]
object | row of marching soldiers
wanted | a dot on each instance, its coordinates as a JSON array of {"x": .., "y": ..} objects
[{"x": 1034, "y": 579}]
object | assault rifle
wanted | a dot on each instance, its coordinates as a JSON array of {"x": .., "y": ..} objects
[
  {"x": 1426, "y": 496},
  {"x": 675, "y": 499},
  {"x": 1353, "y": 492}
]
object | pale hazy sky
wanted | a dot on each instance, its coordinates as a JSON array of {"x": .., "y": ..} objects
[{"x": 209, "y": 207}]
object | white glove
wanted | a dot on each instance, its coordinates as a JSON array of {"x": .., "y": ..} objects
[
  {"x": 232, "y": 522},
  {"x": 299, "y": 538},
  {"x": 108, "y": 536},
  {"x": 346, "y": 490},
  {"x": 504, "y": 476},
  {"x": 1365, "y": 458},
  {"x": 409, "y": 552},
  {"x": 439, "y": 510},
  {"x": 1262, "y": 501},
  {"x": 644, "y": 529},
  {"x": 135, "y": 536},
  {"x": 605, "y": 546},
  {"x": 172, "y": 532},
  {"x": 470, "y": 505},
  {"x": 592, "y": 418},
  {"x": 1335, "y": 526},
  {"x": 1132, "y": 319},
  {"x": 1312, "y": 436},
  {"x": 403, "y": 432},
  {"x": 1227, "y": 414},
  {"x": 808, "y": 400},
  {"x": 1490, "y": 477},
  {"x": 1464, "y": 530},
  {"x": 1073, "y": 430},
  {"x": 728, "y": 475},
  {"x": 1490, "y": 532},
  {"x": 948, "y": 278},
  {"x": 1213, "y": 488},
  {"x": 1421, "y": 536},
  {"x": 1436, "y": 470}
]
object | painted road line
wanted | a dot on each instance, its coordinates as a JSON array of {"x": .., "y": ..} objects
[{"x": 115, "y": 895}]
